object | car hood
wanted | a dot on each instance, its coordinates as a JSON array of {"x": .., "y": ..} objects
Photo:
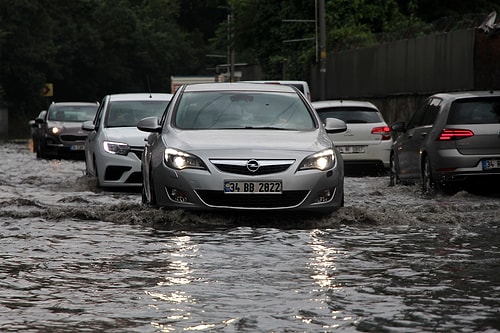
[
  {"x": 129, "y": 135},
  {"x": 245, "y": 139}
]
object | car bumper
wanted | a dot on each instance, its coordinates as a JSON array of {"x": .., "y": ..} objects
[
  {"x": 307, "y": 190},
  {"x": 118, "y": 170},
  {"x": 373, "y": 155},
  {"x": 65, "y": 148},
  {"x": 451, "y": 166}
]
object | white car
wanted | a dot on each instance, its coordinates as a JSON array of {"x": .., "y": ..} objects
[
  {"x": 114, "y": 145},
  {"x": 367, "y": 141}
]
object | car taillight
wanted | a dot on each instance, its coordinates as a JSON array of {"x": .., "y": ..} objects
[
  {"x": 448, "y": 134},
  {"x": 385, "y": 131}
]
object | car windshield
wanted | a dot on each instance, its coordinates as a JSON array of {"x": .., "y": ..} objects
[
  {"x": 73, "y": 113},
  {"x": 265, "y": 110},
  {"x": 128, "y": 113},
  {"x": 350, "y": 115},
  {"x": 475, "y": 111}
]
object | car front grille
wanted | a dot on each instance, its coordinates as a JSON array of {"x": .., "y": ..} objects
[
  {"x": 71, "y": 138},
  {"x": 114, "y": 172},
  {"x": 283, "y": 200},
  {"x": 240, "y": 166},
  {"x": 137, "y": 151},
  {"x": 134, "y": 178}
]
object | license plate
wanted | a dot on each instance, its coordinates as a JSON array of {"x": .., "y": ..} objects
[
  {"x": 253, "y": 187},
  {"x": 351, "y": 149},
  {"x": 77, "y": 147},
  {"x": 491, "y": 164}
]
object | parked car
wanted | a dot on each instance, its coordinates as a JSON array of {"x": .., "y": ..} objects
[
  {"x": 451, "y": 142},
  {"x": 114, "y": 145},
  {"x": 303, "y": 86},
  {"x": 367, "y": 141},
  {"x": 35, "y": 129},
  {"x": 58, "y": 131},
  {"x": 241, "y": 146}
]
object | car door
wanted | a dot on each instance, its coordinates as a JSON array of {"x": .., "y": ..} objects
[{"x": 410, "y": 145}]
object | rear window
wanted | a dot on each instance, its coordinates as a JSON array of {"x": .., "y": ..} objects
[
  {"x": 475, "y": 111},
  {"x": 351, "y": 115}
]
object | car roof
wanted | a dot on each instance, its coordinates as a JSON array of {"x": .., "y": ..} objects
[
  {"x": 73, "y": 103},
  {"x": 340, "y": 103},
  {"x": 140, "y": 97},
  {"x": 238, "y": 86},
  {"x": 467, "y": 94}
]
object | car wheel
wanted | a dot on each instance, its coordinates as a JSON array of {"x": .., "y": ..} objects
[
  {"x": 152, "y": 195},
  {"x": 40, "y": 151},
  {"x": 96, "y": 174},
  {"x": 393, "y": 172},
  {"x": 144, "y": 196},
  {"x": 428, "y": 185}
]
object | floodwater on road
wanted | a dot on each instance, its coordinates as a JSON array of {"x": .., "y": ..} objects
[{"x": 78, "y": 259}]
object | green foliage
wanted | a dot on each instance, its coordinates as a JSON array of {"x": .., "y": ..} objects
[{"x": 89, "y": 48}]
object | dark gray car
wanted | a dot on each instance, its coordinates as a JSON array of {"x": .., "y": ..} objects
[
  {"x": 59, "y": 130},
  {"x": 451, "y": 142}
]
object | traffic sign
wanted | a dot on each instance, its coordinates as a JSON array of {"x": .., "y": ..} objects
[{"x": 48, "y": 90}]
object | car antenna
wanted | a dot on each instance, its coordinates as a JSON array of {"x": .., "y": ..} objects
[{"x": 149, "y": 86}]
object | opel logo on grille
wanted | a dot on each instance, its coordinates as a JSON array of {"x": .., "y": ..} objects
[{"x": 253, "y": 165}]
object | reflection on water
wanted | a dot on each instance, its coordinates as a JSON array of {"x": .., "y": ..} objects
[
  {"x": 74, "y": 276},
  {"x": 78, "y": 259}
]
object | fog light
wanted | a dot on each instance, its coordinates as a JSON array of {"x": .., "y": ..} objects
[
  {"x": 325, "y": 195},
  {"x": 177, "y": 195}
]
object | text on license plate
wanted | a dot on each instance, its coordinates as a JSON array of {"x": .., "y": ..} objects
[
  {"x": 254, "y": 187},
  {"x": 491, "y": 164},
  {"x": 351, "y": 149},
  {"x": 77, "y": 147}
]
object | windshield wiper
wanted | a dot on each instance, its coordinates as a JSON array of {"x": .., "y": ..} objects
[{"x": 270, "y": 128}]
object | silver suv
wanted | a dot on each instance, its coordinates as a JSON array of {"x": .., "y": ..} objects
[{"x": 452, "y": 142}]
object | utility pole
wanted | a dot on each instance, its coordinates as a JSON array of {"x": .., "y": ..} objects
[
  {"x": 230, "y": 44},
  {"x": 322, "y": 48}
]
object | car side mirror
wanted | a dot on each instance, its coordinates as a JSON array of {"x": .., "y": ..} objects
[
  {"x": 149, "y": 124},
  {"x": 398, "y": 126},
  {"x": 88, "y": 126},
  {"x": 334, "y": 125},
  {"x": 39, "y": 120}
]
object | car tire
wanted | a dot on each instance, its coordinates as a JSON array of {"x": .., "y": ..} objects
[
  {"x": 393, "y": 172},
  {"x": 40, "y": 151},
  {"x": 429, "y": 187},
  {"x": 152, "y": 195},
  {"x": 96, "y": 174},
  {"x": 152, "y": 192},
  {"x": 144, "y": 197}
]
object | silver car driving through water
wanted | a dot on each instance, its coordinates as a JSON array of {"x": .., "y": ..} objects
[
  {"x": 451, "y": 142},
  {"x": 242, "y": 146}
]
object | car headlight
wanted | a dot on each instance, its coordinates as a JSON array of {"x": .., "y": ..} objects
[
  {"x": 54, "y": 130},
  {"x": 323, "y": 160},
  {"x": 180, "y": 160},
  {"x": 118, "y": 148}
]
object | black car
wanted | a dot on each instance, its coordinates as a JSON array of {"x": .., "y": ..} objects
[{"x": 58, "y": 132}]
